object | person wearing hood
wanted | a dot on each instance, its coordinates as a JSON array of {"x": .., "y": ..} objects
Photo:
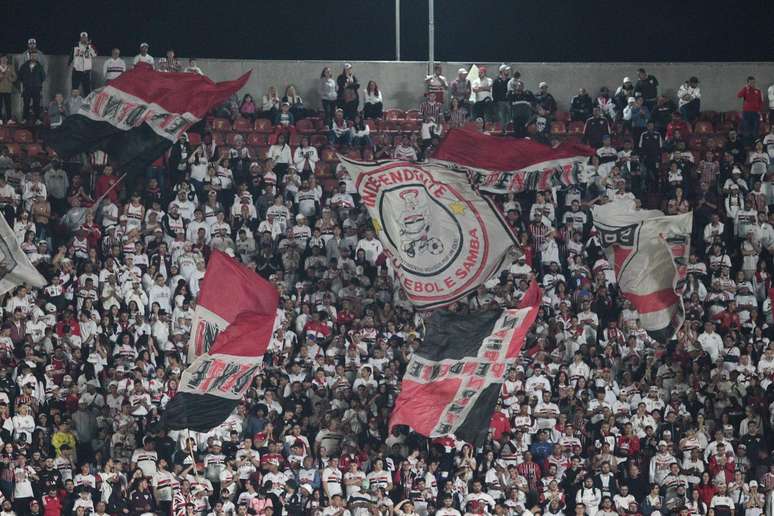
[
  {"x": 689, "y": 99},
  {"x": 622, "y": 94}
]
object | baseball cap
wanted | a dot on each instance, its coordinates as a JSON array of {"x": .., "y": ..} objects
[{"x": 84, "y": 34}]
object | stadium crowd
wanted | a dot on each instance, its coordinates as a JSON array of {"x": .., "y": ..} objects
[{"x": 596, "y": 418}]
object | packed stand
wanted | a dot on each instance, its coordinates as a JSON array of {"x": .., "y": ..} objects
[{"x": 596, "y": 418}]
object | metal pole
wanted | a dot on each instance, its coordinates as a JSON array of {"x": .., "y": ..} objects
[
  {"x": 431, "y": 37},
  {"x": 397, "y": 30}
]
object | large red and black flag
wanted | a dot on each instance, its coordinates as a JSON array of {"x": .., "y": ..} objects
[
  {"x": 139, "y": 115},
  {"x": 498, "y": 164},
  {"x": 228, "y": 288},
  {"x": 215, "y": 382},
  {"x": 453, "y": 380}
]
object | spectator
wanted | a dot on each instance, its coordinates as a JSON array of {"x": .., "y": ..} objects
[
  {"x": 7, "y": 80},
  {"x": 270, "y": 103},
  {"x": 144, "y": 56},
  {"x": 81, "y": 60},
  {"x": 32, "y": 76},
  {"x": 461, "y": 89},
  {"x": 483, "y": 93},
  {"x": 340, "y": 133},
  {"x": 647, "y": 88},
  {"x": 295, "y": 102},
  {"x": 360, "y": 133},
  {"x": 247, "y": 108},
  {"x": 522, "y": 102},
  {"x": 57, "y": 111},
  {"x": 456, "y": 116},
  {"x": 596, "y": 128},
  {"x": 689, "y": 99},
  {"x": 751, "y": 108},
  {"x": 347, "y": 87},
  {"x": 606, "y": 104},
  {"x": 326, "y": 89},
  {"x": 73, "y": 102},
  {"x": 114, "y": 66},
  {"x": 500, "y": 96},
  {"x": 622, "y": 94},
  {"x": 372, "y": 101},
  {"x": 430, "y": 107},
  {"x": 545, "y": 100},
  {"x": 436, "y": 83},
  {"x": 581, "y": 106}
]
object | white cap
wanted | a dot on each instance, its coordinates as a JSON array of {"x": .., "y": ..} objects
[
  {"x": 631, "y": 100},
  {"x": 347, "y": 66},
  {"x": 84, "y": 34},
  {"x": 753, "y": 483},
  {"x": 504, "y": 67},
  {"x": 626, "y": 79},
  {"x": 543, "y": 83},
  {"x": 32, "y": 41},
  {"x": 143, "y": 44},
  {"x": 462, "y": 70}
]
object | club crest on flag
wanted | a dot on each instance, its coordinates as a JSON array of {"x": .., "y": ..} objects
[{"x": 441, "y": 236}]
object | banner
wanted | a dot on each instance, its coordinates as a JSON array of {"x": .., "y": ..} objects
[
  {"x": 15, "y": 267},
  {"x": 500, "y": 165},
  {"x": 139, "y": 115},
  {"x": 453, "y": 380},
  {"x": 215, "y": 383},
  {"x": 649, "y": 254},
  {"x": 441, "y": 236},
  {"x": 227, "y": 289}
]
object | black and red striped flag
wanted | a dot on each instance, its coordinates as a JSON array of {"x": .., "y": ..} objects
[
  {"x": 216, "y": 381},
  {"x": 453, "y": 380},
  {"x": 139, "y": 115}
]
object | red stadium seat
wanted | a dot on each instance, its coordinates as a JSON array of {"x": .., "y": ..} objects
[
  {"x": 243, "y": 125},
  {"x": 13, "y": 148},
  {"x": 219, "y": 138},
  {"x": 295, "y": 140},
  {"x": 255, "y": 139},
  {"x": 328, "y": 155},
  {"x": 413, "y": 114},
  {"x": 221, "y": 124},
  {"x": 562, "y": 116},
  {"x": 23, "y": 136},
  {"x": 373, "y": 125},
  {"x": 410, "y": 125},
  {"x": 394, "y": 114},
  {"x": 558, "y": 128},
  {"x": 305, "y": 126},
  {"x": 391, "y": 126},
  {"x": 5, "y": 135},
  {"x": 576, "y": 127},
  {"x": 263, "y": 125}
]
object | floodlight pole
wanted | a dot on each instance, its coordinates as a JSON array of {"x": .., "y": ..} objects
[
  {"x": 430, "y": 37},
  {"x": 397, "y": 30}
]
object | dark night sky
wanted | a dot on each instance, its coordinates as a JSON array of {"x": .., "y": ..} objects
[{"x": 466, "y": 30}]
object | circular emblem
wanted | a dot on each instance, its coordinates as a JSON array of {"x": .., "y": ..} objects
[{"x": 425, "y": 231}]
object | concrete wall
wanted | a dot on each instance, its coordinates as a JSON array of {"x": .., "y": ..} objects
[{"x": 402, "y": 83}]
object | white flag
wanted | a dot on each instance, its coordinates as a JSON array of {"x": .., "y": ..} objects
[{"x": 15, "y": 267}]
